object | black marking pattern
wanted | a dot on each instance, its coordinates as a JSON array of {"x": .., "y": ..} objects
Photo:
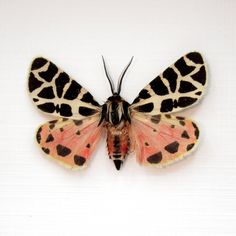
[
  {"x": 172, "y": 147},
  {"x": 62, "y": 150},
  {"x": 155, "y": 158},
  {"x": 79, "y": 160}
]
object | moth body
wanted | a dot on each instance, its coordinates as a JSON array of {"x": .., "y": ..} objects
[{"x": 116, "y": 117}]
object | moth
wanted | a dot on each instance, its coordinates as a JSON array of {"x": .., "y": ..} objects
[{"x": 146, "y": 126}]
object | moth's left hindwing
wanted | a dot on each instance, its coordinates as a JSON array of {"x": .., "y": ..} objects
[
  {"x": 68, "y": 141},
  {"x": 54, "y": 92}
]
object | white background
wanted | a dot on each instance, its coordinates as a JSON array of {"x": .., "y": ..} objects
[{"x": 194, "y": 197}]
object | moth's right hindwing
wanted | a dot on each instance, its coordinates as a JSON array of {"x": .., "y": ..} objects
[{"x": 54, "y": 92}]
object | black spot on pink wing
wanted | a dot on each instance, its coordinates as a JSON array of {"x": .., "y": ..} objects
[
  {"x": 38, "y": 63},
  {"x": 60, "y": 82},
  {"x": 79, "y": 160},
  {"x": 88, "y": 145},
  {"x": 33, "y": 83},
  {"x": 46, "y": 150},
  {"x": 182, "y": 122},
  {"x": 196, "y": 132},
  {"x": 146, "y": 144},
  {"x": 156, "y": 119},
  {"x": 180, "y": 118},
  {"x": 168, "y": 116},
  {"x": 49, "y": 73},
  {"x": 38, "y": 135},
  {"x": 145, "y": 108},
  {"x": 50, "y": 138},
  {"x": 155, "y": 158},
  {"x": 183, "y": 68},
  {"x": 195, "y": 57},
  {"x": 87, "y": 97},
  {"x": 159, "y": 87},
  {"x": 186, "y": 87},
  {"x": 185, "y": 134},
  {"x": 78, "y": 132},
  {"x": 47, "y": 92},
  {"x": 172, "y": 147},
  {"x": 86, "y": 111},
  {"x": 171, "y": 76},
  {"x": 62, "y": 150},
  {"x": 190, "y": 146},
  {"x": 200, "y": 76},
  {"x": 73, "y": 91}
]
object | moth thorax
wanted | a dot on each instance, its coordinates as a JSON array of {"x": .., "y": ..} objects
[{"x": 116, "y": 110}]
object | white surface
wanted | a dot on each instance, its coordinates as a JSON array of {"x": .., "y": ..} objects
[{"x": 194, "y": 197}]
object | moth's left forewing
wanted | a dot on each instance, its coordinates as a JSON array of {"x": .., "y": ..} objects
[{"x": 178, "y": 87}]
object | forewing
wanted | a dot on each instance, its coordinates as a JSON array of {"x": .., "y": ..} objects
[
  {"x": 70, "y": 142},
  {"x": 54, "y": 92},
  {"x": 162, "y": 139},
  {"x": 179, "y": 86}
]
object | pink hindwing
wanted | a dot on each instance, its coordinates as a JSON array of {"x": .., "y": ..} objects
[
  {"x": 163, "y": 139},
  {"x": 70, "y": 142}
]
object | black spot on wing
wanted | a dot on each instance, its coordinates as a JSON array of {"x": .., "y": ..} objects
[
  {"x": 183, "y": 68},
  {"x": 47, "y": 92},
  {"x": 65, "y": 110},
  {"x": 73, "y": 91},
  {"x": 145, "y": 108},
  {"x": 155, "y": 158},
  {"x": 62, "y": 150},
  {"x": 156, "y": 119},
  {"x": 185, "y": 135},
  {"x": 186, "y": 101},
  {"x": 33, "y": 83},
  {"x": 172, "y": 147},
  {"x": 198, "y": 93},
  {"x": 186, "y": 87},
  {"x": 190, "y": 146},
  {"x": 86, "y": 111},
  {"x": 195, "y": 57},
  {"x": 136, "y": 100},
  {"x": 46, "y": 150},
  {"x": 60, "y": 82},
  {"x": 87, "y": 97},
  {"x": 79, "y": 160},
  {"x": 78, "y": 122},
  {"x": 159, "y": 87},
  {"x": 49, "y": 73},
  {"x": 35, "y": 99},
  {"x": 171, "y": 76},
  {"x": 196, "y": 132},
  {"x": 38, "y": 63},
  {"x": 47, "y": 107},
  {"x": 88, "y": 145},
  {"x": 167, "y": 105},
  {"x": 50, "y": 138},
  {"x": 144, "y": 94},
  {"x": 38, "y": 135},
  {"x": 200, "y": 76}
]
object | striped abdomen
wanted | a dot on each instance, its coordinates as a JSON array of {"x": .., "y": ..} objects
[{"x": 118, "y": 143}]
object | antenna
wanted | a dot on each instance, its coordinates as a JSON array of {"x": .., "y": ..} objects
[
  {"x": 108, "y": 76},
  {"x": 122, "y": 75}
]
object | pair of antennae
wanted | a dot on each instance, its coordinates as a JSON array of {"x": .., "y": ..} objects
[{"x": 120, "y": 78}]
